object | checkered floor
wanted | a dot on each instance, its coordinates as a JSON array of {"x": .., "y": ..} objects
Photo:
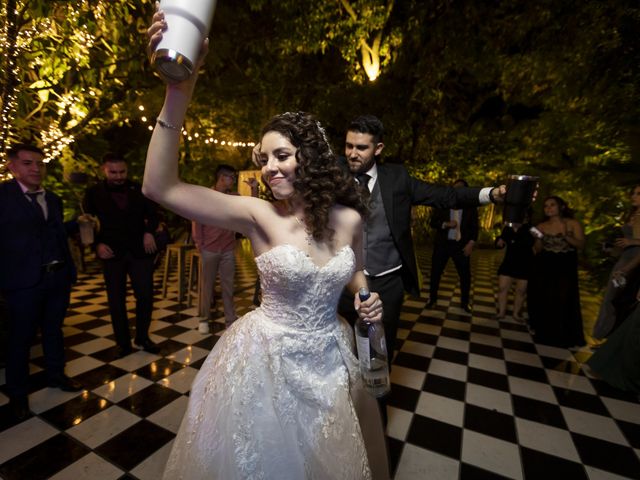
[{"x": 472, "y": 398}]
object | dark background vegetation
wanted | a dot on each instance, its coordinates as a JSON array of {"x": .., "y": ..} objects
[{"x": 472, "y": 88}]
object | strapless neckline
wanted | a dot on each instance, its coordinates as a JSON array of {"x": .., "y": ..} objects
[{"x": 303, "y": 254}]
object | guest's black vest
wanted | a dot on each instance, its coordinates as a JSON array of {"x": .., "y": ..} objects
[{"x": 380, "y": 252}]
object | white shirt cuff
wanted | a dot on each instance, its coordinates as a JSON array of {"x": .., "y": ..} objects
[{"x": 484, "y": 197}]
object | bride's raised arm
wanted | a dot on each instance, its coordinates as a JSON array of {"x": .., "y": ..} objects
[{"x": 161, "y": 179}]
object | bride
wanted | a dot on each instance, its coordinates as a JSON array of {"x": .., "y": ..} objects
[{"x": 280, "y": 395}]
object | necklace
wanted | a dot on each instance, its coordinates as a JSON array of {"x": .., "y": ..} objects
[{"x": 308, "y": 237}]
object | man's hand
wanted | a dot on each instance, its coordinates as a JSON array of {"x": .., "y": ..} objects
[
  {"x": 104, "y": 251},
  {"x": 498, "y": 194},
  {"x": 149, "y": 243},
  {"x": 451, "y": 224},
  {"x": 624, "y": 242},
  {"x": 468, "y": 248},
  {"x": 253, "y": 184}
]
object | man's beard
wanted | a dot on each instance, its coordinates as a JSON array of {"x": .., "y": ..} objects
[{"x": 116, "y": 185}]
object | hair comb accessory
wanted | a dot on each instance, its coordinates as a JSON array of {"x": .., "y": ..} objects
[{"x": 324, "y": 136}]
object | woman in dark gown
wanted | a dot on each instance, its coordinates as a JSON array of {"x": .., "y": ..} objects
[
  {"x": 617, "y": 361},
  {"x": 629, "y": 245},
  {"x": 553, "y": 291}
]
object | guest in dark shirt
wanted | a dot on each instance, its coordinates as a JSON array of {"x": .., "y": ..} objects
[
  {"x": 125, "y": 243},
  {"x": 456, "y": 235}
]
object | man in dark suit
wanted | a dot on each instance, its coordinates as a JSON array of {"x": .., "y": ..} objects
[
  {"x": 126, "y": 246},
  {"x": 390, "y": 263},
  {"x": 456, "y": 235},
  {"x": 36, "y": 274}
]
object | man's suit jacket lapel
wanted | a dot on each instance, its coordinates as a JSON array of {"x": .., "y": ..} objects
[
  {"x": 53, "y": 208},
  {"x": 25, "y": 204},
  {"x": 385, "y": 184},
  {"x": 468, "y": 223}
]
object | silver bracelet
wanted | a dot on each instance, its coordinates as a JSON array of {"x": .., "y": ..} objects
[{"x": 164, "y": 124}]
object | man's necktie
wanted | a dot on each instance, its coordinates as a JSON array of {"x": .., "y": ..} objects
[
  {"x": 33, "y": 196},
  {"x": 363, "y": 180}
]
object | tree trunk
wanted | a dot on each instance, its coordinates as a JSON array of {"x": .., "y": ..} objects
[{"x": 9, "y": 79}]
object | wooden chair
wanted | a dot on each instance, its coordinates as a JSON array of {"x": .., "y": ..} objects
[
  {"x": 177, "y": 251},
  {"x": 194, "y": 279}
]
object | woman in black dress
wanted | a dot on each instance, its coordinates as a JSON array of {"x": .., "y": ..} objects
[
  {"x": 515, "y": 267},
  {"x": 553, "y": 291}
]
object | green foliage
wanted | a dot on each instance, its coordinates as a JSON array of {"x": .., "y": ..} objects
[
  {"x": 77, "y": 74},
  {"x": 473, "y": 89},
  {"x": 549, "y": 89}
]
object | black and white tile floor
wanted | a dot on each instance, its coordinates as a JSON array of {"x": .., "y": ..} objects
[{"x": 473, "y": 398}]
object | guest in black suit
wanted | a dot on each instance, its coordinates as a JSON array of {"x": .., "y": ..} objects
[
  {"x": 456, "y": 234},
  {"x": 36, "y": 274},
  {"x": 390, "y": 263},
  {"x": 126, "y": 246}
]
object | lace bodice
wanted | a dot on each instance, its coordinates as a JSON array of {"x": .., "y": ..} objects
[
  {"x": 299, "y": 294},
  {"x": 556, "y": 244}
]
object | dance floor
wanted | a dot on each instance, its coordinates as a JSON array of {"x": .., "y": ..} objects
[{"x": 472, "y": 397}]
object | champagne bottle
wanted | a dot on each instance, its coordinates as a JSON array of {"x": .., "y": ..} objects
[{"x": 372, "y": 353}]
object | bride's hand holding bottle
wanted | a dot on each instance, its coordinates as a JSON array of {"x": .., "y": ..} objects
[{"x": 369, "y": 309}]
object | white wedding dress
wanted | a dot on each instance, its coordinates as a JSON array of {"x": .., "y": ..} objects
[{"x": 280, "y": 395}]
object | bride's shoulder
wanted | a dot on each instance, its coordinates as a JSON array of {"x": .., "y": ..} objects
[{"x": 346, "y": 216}]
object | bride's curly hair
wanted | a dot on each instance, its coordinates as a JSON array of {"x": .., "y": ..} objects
[{"x": 320, "y": 181}]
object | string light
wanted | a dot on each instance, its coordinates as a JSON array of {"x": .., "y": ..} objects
[
  {"x": 195, "y": 133},
  {"x": 16, "y": 38},
  {"x": 19, "y": 33},
  {"x": 55, "y": 141},
  {"x": 9, "y": 34}
]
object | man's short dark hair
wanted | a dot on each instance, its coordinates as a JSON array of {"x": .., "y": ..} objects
[
  {"x": 111, "y": 157},
  {"x": 462, "y": 181},
  {"x": 224, "y": 168},
  {"x": 368, "y": 124},
  {"x": 12, "y": 153}
]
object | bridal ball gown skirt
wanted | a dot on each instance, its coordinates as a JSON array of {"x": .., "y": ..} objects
[{"x": 280, "y": 395}]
